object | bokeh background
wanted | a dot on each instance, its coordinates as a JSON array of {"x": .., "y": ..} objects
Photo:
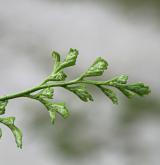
[{"x": 127, "y": 34}]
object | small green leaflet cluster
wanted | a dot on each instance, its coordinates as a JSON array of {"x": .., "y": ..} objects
[
  {"x": 44, "y": 93},
  {"x": 81, "y": 92},
  {"x": 45, "y": 97},
  {"x": 9, "y": 122},
  {"x": 129, "y": 90}
]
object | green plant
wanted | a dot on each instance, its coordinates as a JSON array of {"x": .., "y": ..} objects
[{"x": 45, "y": 91}]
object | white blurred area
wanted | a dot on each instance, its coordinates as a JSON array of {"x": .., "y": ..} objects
[{"x": 29, "y": 31}]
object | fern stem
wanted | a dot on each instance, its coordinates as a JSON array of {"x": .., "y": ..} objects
[{"x": 59, "y": 84}]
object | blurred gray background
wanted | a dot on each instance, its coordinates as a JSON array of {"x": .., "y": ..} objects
[{"x": 127, "y": 34}]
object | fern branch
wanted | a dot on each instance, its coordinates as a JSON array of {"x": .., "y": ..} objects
[{"x": 45, "y": 91}]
